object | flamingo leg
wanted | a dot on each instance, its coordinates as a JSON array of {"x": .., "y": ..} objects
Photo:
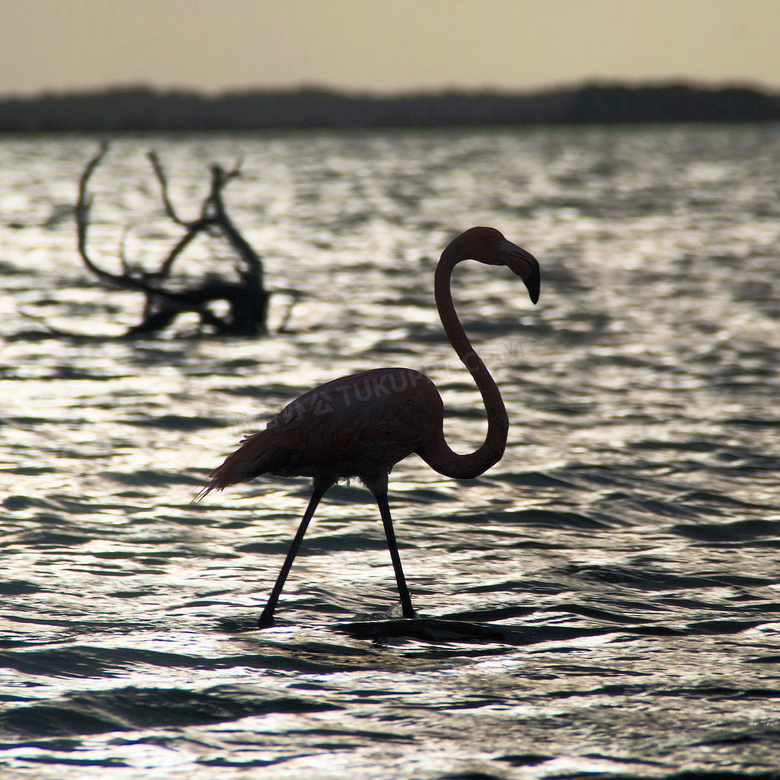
[
  {"x": 387, "y": 521},
  {"x": 319, "y": 490}
]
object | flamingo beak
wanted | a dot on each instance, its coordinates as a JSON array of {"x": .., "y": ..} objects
[{"x": 524, "y": 265}]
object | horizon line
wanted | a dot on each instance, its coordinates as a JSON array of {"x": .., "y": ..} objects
[{"x": 413, "y": 92}]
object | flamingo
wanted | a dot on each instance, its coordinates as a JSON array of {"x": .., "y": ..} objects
[{"x": 363, "y": 424}]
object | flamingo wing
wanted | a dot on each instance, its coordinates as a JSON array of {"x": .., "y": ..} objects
[{"x": 359, "y": 425}]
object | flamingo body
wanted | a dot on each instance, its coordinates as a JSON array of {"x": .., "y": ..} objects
[{"x": 356, "y": 426}]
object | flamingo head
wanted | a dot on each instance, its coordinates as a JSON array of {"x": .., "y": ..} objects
[{"x": 488, "y": 245}]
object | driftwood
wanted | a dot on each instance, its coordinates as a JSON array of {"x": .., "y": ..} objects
[{"x": 246, "y": 299}]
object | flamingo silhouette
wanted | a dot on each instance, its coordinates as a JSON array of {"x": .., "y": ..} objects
[{"x": 362, "y": 425}]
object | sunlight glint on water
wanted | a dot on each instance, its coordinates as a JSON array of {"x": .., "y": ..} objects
[{"x": 605, "y": 599}]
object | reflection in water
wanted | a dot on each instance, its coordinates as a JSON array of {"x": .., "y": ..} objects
[{"x": 603, "y": 600}]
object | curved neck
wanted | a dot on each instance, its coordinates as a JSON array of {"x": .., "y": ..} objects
[{"x": 440, "y": 457}]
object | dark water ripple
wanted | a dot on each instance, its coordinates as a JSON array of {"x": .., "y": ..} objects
[{"x": 605, "y": 602}]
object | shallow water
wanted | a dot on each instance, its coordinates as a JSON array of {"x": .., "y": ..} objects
[{"x": 605, "y": 601}]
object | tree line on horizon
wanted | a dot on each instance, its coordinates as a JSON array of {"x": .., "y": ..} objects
[{"x": 138, "y": 109}]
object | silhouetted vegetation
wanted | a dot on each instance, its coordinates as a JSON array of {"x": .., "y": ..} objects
[
  {"x": 246, "y": 299},
  {"x": 142, "y": 109}
]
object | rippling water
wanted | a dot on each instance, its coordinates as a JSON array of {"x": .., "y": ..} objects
[{"x": 605, "y": 601}]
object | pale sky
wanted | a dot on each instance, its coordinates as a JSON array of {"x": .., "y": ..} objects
[{"x": 384, "y": 45}]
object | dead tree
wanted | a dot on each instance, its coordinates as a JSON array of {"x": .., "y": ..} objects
[{"x": 246, "y": 298}]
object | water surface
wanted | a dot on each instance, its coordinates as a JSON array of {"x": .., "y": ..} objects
[{"x": 603, "y": 601}]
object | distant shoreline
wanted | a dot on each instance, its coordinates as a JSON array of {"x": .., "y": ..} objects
[{"x": 139, "y": 109}]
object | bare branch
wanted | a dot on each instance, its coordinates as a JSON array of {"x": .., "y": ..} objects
[
  {"x": 295, "y": 296},
  {"x": 163, "y": 181},
  {"x": 57, "y": 332},
  {"x": 192, "y": 231},
  {"x": 83, "y": 207},
  {"x": 254, "y": 267},
  {"x": 247, "y": 299},
  {"x": 122, "y": 254}
]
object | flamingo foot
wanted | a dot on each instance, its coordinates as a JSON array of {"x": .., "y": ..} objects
[{"x": 266, "y": 620}]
